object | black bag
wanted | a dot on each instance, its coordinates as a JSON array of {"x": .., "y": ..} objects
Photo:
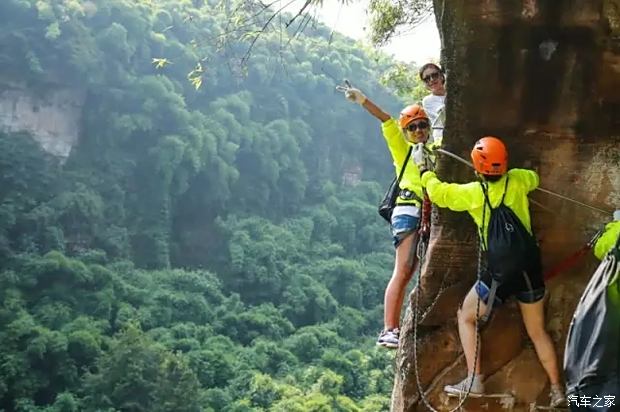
[
  {"x": 592, "y": 353},
  {"x": 386, "y": 207},
  {"x": 510, "y": 247}
]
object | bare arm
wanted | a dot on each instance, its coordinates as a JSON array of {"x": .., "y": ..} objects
[{"x": 376, "y": 111}]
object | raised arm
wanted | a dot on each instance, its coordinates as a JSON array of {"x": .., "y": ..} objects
[{"x": 375, "y": 111}]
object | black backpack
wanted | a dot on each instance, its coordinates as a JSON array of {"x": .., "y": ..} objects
[
  {"x": 592, "y": 354},
  {"x": 510, "y": 247}
]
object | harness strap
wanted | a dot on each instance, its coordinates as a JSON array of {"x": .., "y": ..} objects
[
  {"x": 490, "y": 301},
  {"x": 494, "y": 283},
  {"x": 486, "y": 196}
]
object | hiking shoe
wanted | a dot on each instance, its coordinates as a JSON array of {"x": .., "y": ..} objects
[
  {"x": 556, "y": 397},
  {"x": 389, "y": 338},
  {"x": 477, "y": 388}
]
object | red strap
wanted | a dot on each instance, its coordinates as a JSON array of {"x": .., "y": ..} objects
[
  {"x": 573, "y": 259},
  {"x": 425, "y": 225},
  {"x": 568, "y": 263}
]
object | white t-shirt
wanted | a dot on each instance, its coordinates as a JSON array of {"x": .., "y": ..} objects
[{"x": 434, "y": 106}]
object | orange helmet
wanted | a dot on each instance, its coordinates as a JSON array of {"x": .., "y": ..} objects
[
  {"x": 490, "y": 156},
  {"x": 411, "y": 113}
]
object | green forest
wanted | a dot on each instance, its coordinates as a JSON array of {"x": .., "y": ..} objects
[{"x": 212, "y": 241}]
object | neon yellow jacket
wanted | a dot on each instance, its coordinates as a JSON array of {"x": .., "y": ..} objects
[
  {"x": 469, "y": 197},
  {"x": 399, "y": 147},
  {"x": 607, "y": 240}
]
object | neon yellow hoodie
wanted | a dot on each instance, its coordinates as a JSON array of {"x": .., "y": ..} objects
[
  {"x": 607, "y": 240},
  {"x": 399, "y": 147},
  {"x": 469, "y": 197}
]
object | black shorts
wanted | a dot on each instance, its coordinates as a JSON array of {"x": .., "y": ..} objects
[{"x": 528, "y": 286}]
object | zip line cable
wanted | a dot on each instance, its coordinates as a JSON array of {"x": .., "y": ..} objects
[
  {"x": 573, "y": 200},
  {"x": 329, "y": 44},
  {"x": 452, "y": 155},
  {"x": 460, "y": 159}
]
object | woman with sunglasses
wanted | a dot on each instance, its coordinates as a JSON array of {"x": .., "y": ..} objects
[
  {"x": 412, "y": 128},
  {"x": 435, "y": 81}
]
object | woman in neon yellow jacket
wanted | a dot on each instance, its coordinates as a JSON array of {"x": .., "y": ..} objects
[
  {"x": 413, "y": 127},
  {"x": 510, "y": 188}
]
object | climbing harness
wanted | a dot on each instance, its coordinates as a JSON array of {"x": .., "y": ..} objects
[
  {"x": 460, "y": 159},
  {"x": 424, "y": 234},
  {"x": 573, "y": 258}
]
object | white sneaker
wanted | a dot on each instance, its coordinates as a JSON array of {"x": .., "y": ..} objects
[
  {"x": 477, "y": 387},
  {"x": 389, "y": 338},
  {"x": 556, "y": 397}
]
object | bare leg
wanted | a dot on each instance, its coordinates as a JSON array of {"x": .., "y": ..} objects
[
  {"x": 466, "y": 316},
  {"x": 534, "y": 319},
  {"x": 404, "y": 265}
]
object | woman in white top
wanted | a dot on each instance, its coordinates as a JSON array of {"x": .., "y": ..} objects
[{"x": 435, "y": 80}]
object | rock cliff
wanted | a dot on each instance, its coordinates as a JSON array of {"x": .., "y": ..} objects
[
  {"x": 543, "y": 75},
  {"x": 52, "y": 117}
]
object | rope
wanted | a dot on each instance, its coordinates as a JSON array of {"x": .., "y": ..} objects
[
  {"x": 460, "y": 159},
  {"x": 452, "y": 155},
  {"x": 574, "y": 201},
  {"x": 421, "y": 257},
  {"x": 329, "y": 44}
]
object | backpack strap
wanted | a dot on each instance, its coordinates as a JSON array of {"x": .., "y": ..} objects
[
  {"x": 485, "y": 190},
  {"x": 505, "y": 190},
  {"x": 490, "y": 300},
  {"x": 494, "y": 283},
  {"x": 616, "y": 249},
  {"x": 402, "y": 171},
  {"x": 485, "y": 194}
]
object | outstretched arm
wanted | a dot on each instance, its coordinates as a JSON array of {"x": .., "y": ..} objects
[
  {"x": 454, "y": 196},
  {"x": 376, "y": 111},
  {"x": 356, "y": 96}
]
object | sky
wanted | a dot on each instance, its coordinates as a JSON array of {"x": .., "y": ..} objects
[{"x": 351, "y": 20}]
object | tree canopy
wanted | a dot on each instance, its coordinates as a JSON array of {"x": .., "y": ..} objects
[{"x": 212, "y": 242}]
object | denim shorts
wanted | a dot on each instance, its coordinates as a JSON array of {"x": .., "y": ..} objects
[{"x": 403, "y": 226}]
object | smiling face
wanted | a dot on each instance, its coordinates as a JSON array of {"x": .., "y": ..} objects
[
  {"x": 417, "y": 131},
  {"x": 434, "y": 80}
]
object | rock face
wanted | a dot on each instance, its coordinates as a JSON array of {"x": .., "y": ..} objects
[
  {"x": 543, "y": 75},
  {"x": 52, "y": 118}
]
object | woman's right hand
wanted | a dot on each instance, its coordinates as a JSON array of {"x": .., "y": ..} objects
[{"x": 352, "y": 94}]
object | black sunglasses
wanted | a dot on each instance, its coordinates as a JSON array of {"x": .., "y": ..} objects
[
  {"x": 413, "y": 126},
  {"x": 432, "y": 76}
]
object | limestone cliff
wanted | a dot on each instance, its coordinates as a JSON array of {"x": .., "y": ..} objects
[
  {"x": 544, "y": 75},
  {"x": 51, "y": 117}
]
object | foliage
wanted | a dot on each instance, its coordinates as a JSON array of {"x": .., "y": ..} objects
[
  {"x": 390, "y": 16},
  {"x": 212, "y": 242},
  {"x": 404, "y": 80}
]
